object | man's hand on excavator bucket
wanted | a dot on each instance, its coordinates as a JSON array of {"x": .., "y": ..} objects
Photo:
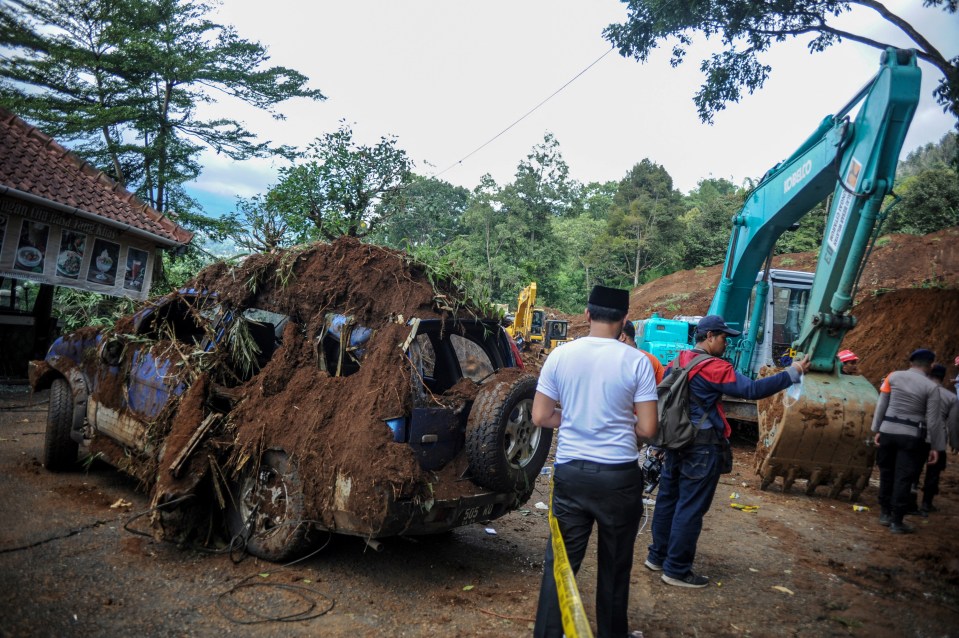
[{"x": 802, "y": 365}]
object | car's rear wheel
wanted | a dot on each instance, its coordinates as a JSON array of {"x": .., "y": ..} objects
[
  {"x": 505, "y": 450},
  {"x": 59, "y": 449},
  {"x": 266, "y": 509}
]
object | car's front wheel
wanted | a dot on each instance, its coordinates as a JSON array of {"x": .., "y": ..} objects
[
  {"x": 505, "y": 450},
  {"x": 59, "y": 448},
  {"x": 266, "y": 509}
]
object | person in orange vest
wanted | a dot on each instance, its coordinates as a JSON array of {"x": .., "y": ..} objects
[{"x": 628, "y": 337}]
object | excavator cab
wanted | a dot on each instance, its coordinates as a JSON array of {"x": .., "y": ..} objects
[
  {"x": 781, "y": 320},
  {"x": 536, "y": 325},
  {"x": 555, "y": 333}
]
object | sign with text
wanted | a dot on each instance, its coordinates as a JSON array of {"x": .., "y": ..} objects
[{"x": 50, "y": 247}]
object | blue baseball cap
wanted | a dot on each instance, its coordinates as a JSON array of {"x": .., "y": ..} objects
[
  {"x": 923, "y": 354},
  {"x": 715, "y": 323}
]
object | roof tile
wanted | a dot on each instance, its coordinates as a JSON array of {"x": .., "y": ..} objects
[{"x": 32, "y": 162}]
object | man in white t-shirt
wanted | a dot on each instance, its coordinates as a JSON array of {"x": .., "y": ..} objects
[{"x": 608, "y": 396}]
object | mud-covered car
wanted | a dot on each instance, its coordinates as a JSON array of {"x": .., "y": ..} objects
[{"x": 338, "y": 387}]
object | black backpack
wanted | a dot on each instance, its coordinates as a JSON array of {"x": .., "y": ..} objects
[{"x": 676, "y": 430}]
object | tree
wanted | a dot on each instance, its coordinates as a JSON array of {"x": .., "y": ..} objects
[
  {"x": 596, "y": 198},
  {"x": 487, "y": 244},
  {"x": 748, "y": 29},
  {"x": 930, "y": 202},
  {"x": 644, "y": 232},
  {"x": 123, "y": 80},
  {"x": 708, "y": 221},
  {"x": 428, "y": 211},
  {"x": 339, "y": 187},
  {"x": 543, "y": 185},
  {"x": 540, "y": 193},
  {"x": 576, "y": 276},
  {"x": 941, "y": 154},
  {"x": 809, "y": 236},
  {"x": 258, "y": 226}
]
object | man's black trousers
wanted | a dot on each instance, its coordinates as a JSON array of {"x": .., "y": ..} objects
[
  {"x": 930, "y": 487},
  {"x": 611, "y": 496},
  {"x": 899, "y": 457}
]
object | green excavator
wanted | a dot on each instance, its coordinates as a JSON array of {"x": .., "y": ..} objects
[{"x": 824, "y": 435}]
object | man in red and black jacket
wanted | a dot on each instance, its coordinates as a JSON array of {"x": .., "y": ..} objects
[{"x": 690, "y": 475}]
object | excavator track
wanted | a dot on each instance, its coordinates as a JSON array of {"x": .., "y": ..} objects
[{"x": 823, "y": 437}]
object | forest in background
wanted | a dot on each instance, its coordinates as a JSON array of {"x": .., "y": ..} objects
[
  {"x": 120, "y": 82},
  {"x": 546, "y": 227}
]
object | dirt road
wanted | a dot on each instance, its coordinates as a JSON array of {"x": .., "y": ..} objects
[{"x": 797, "y": 566}]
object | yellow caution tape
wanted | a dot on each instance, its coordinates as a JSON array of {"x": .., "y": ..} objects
[
  {"x": 575, "y": 623},
  {"x": 745, "y": 508}
]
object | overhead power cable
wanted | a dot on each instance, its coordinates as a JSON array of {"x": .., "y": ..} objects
[{"x": 525, "y": 115}]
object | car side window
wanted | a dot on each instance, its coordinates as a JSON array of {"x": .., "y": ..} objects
[
  {"x": 425, "y": 356},
  {"x": 473, "y": 360},
  {"x": 180, "y": 318},
  {"x": 266, "y": 330}
]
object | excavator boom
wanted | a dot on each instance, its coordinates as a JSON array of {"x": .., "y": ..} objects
[{"x": 823, "y": 436}]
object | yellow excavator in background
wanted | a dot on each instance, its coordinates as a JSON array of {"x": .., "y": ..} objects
[
  {"x": 555, "y": 333},
  {"x": 530, "y": 325}
]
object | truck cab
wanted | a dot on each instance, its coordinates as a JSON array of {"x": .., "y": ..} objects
[{"x": 663, "y": 338}]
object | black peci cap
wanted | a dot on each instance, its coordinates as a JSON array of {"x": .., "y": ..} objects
[{"x": 614, "y": 298}]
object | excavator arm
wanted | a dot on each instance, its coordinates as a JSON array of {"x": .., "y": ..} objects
[
  {"x": 523, "y": 321},
  {"x": 855, "y": 161},
  {"x": 823, "y": 436}
]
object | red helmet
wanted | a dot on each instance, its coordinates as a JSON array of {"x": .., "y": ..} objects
[{"x": 847, "y": 355}]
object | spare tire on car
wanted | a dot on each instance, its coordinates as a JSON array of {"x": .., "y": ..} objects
[{"x": 505, "y": 450}]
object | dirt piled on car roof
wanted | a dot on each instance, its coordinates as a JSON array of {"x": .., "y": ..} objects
[{"x": 335, "y": 425}]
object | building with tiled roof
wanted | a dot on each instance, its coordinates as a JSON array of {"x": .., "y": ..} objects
[
  {"x": 35, "y": 168},
  {"x": 64, "y": 223}
]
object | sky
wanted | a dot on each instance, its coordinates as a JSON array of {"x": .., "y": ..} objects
[{"x": 446, "y": 76}]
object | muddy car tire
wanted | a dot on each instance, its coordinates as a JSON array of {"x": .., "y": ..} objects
[
  {"x": 265, "y": 509},
  {"x": 505, "y": 450},
  {"x": 59, "y": 449}
]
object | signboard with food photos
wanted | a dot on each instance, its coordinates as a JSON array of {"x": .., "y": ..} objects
[{"x": 49, "y": 247}]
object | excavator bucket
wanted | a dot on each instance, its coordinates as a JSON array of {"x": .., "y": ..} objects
[{"x": 823, "y": 436}]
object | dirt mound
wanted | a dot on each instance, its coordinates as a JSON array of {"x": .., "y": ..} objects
[
  {"x": 923, "y": 270},
  {"x": 370, "y": 282},
  {"x": 899, "y": 261},
  {"x": 894, "y": 324}
]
